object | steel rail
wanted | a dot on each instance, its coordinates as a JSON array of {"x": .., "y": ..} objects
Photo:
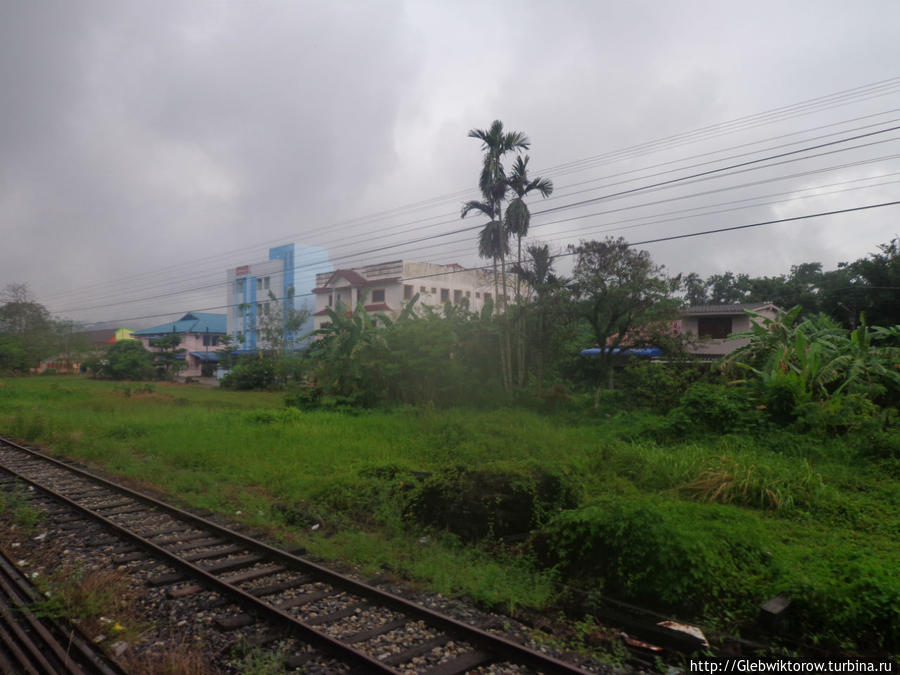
[
  {"x": 501, "y": 647},
  {"x": 54, "y": 647}
]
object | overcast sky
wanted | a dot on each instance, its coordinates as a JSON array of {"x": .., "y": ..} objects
[{"x": 145, "y": 147}]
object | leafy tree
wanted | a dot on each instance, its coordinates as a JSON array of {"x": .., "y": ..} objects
[
  {"x": 27, "y": 332},
  {"x": 875, "y": 284},
  {"x": 793, "y": 362},
  {"x": 727, "y": 288},
  {"x": 278, "y": 324},
  {"x": 350, "y": 358},
  {"x": 167, "y": 363},
  {"x": 694, "y": 289},
  {"x": 618, "y": 290},
  {"x": 125, "y": 360}
]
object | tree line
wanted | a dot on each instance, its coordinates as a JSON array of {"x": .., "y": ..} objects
[{"x": 527, "y": 339}]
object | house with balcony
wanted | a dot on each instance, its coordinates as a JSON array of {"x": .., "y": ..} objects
[
  {"x": 712, "y": 325},
  {"x": 387, "y": 287}
]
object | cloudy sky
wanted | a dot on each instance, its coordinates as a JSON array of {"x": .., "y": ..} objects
[{"x": 145, "y": 147}]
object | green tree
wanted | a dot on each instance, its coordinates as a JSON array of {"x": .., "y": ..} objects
[
  {"x": 694, "y": 290},
  {"x": 125, "y": 360},
  {"x": 875, "y": 284},
  {"x": 618, "y": 290},
  {"x": 168, "y": 365},
  {"x": 793, "y": 361},
  {"x": 27, "y": 332}
]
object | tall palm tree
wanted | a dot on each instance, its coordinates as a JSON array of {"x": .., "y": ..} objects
[
  {"x": 518, "y": 217},
  {"x": 494, "y": 185}
]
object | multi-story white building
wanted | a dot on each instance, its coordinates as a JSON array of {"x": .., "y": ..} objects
[
  {"x": 275, "y": 285},
  {"x": 387, "y": 287}
]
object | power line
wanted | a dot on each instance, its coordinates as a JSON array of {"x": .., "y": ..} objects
[
  {"x": 631, "y": 244},
  {"x": 828, "y": 101},
  {"x": 387, "y": 247}
]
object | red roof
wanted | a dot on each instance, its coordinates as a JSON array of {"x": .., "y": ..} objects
[{"x": 355, "y": 279}]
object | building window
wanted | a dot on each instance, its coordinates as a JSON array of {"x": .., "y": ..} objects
[
  {"x": 477, "y": 294},
  {"x": 239, "y": 286},
  {"x": 258, "y": 284},
  {"x": 715, "y": 327},
  {"x": 266, "y": 283},
  {"x": 487, "y": 296},
  {"x": 445, "y": 295},
  {"x": 330, "y": 300},
  {"x": 468, "y": 294},
  {"x": 433, "y": 290},
  {"x": 407, "y": 292},
  {"x": 457, "y": 297},
  {"x": 210, "y": 340},
  {"x": 421, "y": 289},
  {"x": 378, "y": 295}
]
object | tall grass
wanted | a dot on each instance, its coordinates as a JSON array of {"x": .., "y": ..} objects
[{"x": 243, "y": 454}]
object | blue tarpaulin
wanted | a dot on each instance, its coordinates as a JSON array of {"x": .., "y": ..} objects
[{"x": 640, "y": 352}]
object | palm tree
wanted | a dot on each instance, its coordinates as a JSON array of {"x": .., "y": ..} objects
[
  {"x": 547, "y": 286},
  {"x": 518, "y": 217},
  {"x": 494, "y": 185}
]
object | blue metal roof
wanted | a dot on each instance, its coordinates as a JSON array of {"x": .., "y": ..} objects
[
  {"x": 206, "y": 356},
  {"x": 192, "y": 322}
]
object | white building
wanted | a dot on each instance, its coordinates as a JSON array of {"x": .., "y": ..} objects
[
  {"x": 387, "y": 287},
  {"x": 270, "y": 286}
]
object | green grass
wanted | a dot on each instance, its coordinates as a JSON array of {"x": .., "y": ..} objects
[{"x": 823, "y": 522}]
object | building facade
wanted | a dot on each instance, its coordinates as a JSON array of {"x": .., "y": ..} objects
[
  {"x": 267, "y": 291},
  {"x": 712, "y": 325},
  {"x": 388, "y": 287},
  {"x": 201, "y": 336}
]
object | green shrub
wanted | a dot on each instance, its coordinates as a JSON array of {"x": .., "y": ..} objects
[
  {"x": 253, "y": 373},
  {"x": 657, "y": 386},
  {"x": 782, "y": 394},
  {"x": 715, "y": 409},
  {"x": 125, "y": 360},
  {"x": 269, "y": 416},
  {"x": 686, "y": 556},
  {"x": 838, "y": 416},
  {"x": 847, "y": 603},
  {"x": 489, "y": 503}
]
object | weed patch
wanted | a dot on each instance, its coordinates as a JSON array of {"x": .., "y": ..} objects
[
  {"x": 690, "y": 557},
  {"x": 757, "y": 485},
  {"x": 489, "y": 503}
]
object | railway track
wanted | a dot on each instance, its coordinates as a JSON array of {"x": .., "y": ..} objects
[
  {"x": 280, "y": 592},
  {"x": 37, "y": 645}
]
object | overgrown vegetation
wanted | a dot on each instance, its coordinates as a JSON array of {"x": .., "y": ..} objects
[{"x": 515, "y": 507}]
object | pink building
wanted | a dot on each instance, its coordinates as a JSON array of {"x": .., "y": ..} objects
[{"x": 201, "y": 336}]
